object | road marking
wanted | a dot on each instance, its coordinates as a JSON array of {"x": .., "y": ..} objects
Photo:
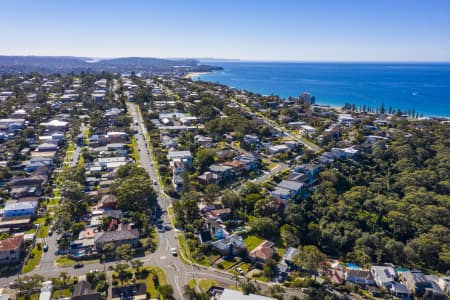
[{"x": 178, "y": 286}]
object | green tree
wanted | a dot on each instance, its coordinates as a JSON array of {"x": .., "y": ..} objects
[
  {"x": 124, "y": 252},
  {"x": 135, "y": 193},
  {"x": 122, "y": 272},
  {"x": 310, "y": 258},
  {"x": 269, "y": 269},
  {"x": 203, "y": 159},
  {"x": 137, "y": 264},
  {"x": 212, "y": 191}
]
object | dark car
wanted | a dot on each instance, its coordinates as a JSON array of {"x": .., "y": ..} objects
[{"x": 78, "y": 266}]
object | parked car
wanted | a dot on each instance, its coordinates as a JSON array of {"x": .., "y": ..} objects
[
  {"x": 174, "y": 252},
  {"x": 78, "y": 266},
  {"x": 240, "y": 271},
  {"x": 45, "y": 247}
]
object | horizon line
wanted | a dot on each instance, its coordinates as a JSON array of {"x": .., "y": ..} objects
[{"x": 244, "y": 60}]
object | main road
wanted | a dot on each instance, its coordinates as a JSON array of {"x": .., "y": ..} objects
[{"x": 178, "y": 273}]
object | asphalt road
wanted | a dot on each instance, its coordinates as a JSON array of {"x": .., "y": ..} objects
[
  {"x": 77, "y": 149},
  {"x": 177, "y": 272}
]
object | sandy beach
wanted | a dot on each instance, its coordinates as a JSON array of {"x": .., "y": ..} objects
[{"x": 190, "y": 75}]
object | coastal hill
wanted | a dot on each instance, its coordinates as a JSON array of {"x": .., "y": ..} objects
[{"x": 67, "y": 64}]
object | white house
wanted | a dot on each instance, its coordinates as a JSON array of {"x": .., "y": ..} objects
[
  {"x": 307, "y": 130},
  {"x": 384, "y": 276}
]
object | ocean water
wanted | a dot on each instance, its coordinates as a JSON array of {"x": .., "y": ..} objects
[{"x": 422, "y": 87}]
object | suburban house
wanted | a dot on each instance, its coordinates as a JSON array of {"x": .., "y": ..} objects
[
  {"x": 183, "y": 156},
  {"x": 117, "y": 238},
  {"x": 221, "y": 170},
  {"x": 55, "y": 125},
  {"x": 249, "y": 160},
  {"x": 20, "y": 209},
  {"x": 136, "y": 291},
  {"x": 275, "y": 149},
  {"x": 262, "y": 253},
  {"x": 307, "y": 130},
  {"x": 287, "y": 190},
  {"x": 83, "y": 291},
  {"x": 289, "y": 256},
  {"x": 10, "y": 249},
  {"x": 415, "y": 281},
  {"x": 251, "y": 139},
  {"x": 444, "y": 284},
  {"x": 309, "y": 169},
  {"x": 384, "y": 276},
  {"x": 361, "y": 277},
  {"x": 232, "y": 245},
  {"x": 400, "y": 291},
  {"x": 218, "y": 214},
  {"x": 107, "y": 201},
  {"x": 209, "y": 178}
]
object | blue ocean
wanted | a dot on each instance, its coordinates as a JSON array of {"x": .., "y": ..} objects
[{"x": 422, "y": 87}]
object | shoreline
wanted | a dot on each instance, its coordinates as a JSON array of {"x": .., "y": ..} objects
[{"x": 191, "y": 75}]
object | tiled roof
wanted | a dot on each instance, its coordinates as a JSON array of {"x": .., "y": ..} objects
[{"x": 11, "y": 243}]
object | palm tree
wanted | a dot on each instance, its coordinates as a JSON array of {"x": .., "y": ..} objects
[
  {"x": 64, "y": 277},
  {"x": 235, "y": 277}
]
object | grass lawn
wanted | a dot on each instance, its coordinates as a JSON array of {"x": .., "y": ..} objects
[
  {"x": 80, "y": 161},
  {"x": 206, "y": 284},
  {"x": 34, "y": 259},
  {"x": 55, "y": 199},
  {"x": 229, "y": 263},
  {"x": 43, "y": 231},
  {"x": 65, "y": 293},
  {"x": 367, "y": 294},
  {"x": 135, "y": 150},
  {"x": 65, "y": 261},
  {"x": 184, "y": 254},
  {"x": 171, "y": 216},
  {"x": 71, "y": 147},
  {"x": 261, "y": 278},
  {"x": 252, "y": 241},
  {"x": 245, "y": 267},
  {"x": 149, "y": 280},
  {"x": 272, "y": 166},
  {"x": 203, "y": 284},
  {"x": 68, "y": 156}
]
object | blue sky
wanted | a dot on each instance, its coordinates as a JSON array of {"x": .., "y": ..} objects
[{"x": 305, "y": 30}]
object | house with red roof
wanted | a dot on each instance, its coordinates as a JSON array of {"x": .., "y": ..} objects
[{"x": 10, "y": 249}]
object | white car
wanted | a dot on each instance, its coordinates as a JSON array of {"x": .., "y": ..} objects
[
  {"x": 240, "y": 271},
  {"x": 173, "y": 251}
]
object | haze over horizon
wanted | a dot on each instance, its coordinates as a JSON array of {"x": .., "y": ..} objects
[{"x": 381, "y": 31}]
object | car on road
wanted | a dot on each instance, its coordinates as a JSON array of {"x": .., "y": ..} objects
[
  {"x": 173, "y": 251},
  {"x": 240, "y": 271},
  {"x": 50, "y": 232},
  {"x": 78, "y": 266},
  {"x": 154, "y": 182},
  {"x": 45, "y": 247}
]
